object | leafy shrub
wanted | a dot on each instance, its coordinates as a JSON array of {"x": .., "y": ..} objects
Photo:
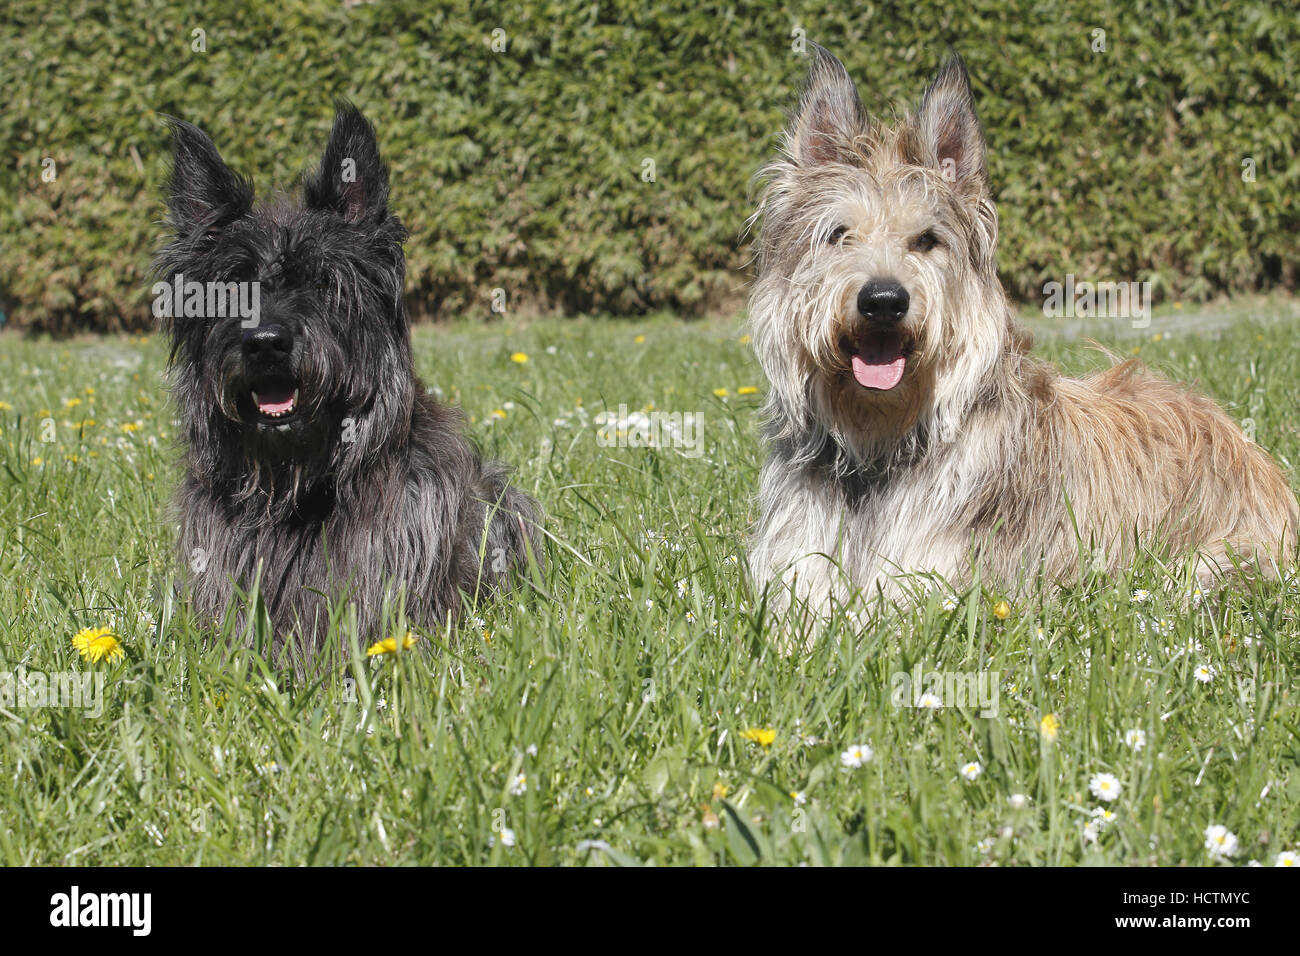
[{"x": 523, "y": 169}]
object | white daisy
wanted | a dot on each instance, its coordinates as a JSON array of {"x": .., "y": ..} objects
[
  {"x": 1287, "y": 858},
  {"x": 856, "y": 756},
  {"x": 1018, "y": 801},
  {"x": 1220, "y": 841},
  {"x": 972, "y": 770},
  {"x": 1136, "y": 739},
  {"x": 1103, "y": 816},
  {"x": 1140, "y": 595},
  {"x": 985, "y": 845},
  {"x": 1104, "y": 786},
  {"x": 799, "y": 797},
  {"x": 518, "y": 785},
  {"x": 949, "y": 604},
  {"x": 1091, "y": 830},
  {"x": 1205, "y": 673},
  {"x": 929, "y": 701}
]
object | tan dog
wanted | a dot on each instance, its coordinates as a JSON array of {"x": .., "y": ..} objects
[{"x": 908, "y": 429}]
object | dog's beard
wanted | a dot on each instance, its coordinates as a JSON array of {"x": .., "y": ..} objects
[
  {"x": 282, "y": 404},
  {"x": 864, "y": 387},
  {"x": 267, "y": 439}
]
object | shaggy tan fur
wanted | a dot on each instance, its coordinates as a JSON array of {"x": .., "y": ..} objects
[{"x": 980, "y": 453}]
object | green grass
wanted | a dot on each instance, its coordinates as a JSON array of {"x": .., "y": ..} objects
[{"x": 621, "y": 698}]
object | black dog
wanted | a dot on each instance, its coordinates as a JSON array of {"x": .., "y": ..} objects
[{"x": 314, "y": 460}]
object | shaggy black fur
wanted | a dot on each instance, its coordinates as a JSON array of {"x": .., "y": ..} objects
[{"x": 313, "y": 455}]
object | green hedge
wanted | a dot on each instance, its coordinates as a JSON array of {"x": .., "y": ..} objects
[{"x": 522, "y": 169}]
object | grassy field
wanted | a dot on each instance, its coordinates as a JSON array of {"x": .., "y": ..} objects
[{"x": 620, "y": 713}]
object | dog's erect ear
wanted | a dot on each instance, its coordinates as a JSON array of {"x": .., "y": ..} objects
[
  {"x": 352, "y": 180},
  {"x": 830, "y": 114},
  {"x": 949, "y": 131},
  {"x": 202, "y": 192}
]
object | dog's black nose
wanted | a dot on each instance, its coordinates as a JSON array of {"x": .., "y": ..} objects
[
  {"x": 883, "y": 300},
  {"x": 267, "y": 343}
]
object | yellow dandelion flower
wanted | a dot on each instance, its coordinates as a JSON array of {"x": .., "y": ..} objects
[
  {"x": 743, "y": 340},
  {"x": 389, "y": 645},
  {"x": 37, "y": 460},
  {"x": 1002, "y": 610},
  {"x": 1049, "y": 727},
  {"x": 497, "y": 413},
  {"x": 130, "y": 427},
  {"x": 6, "y": 407},
  {"x": 97, "y": 643},
  {"x": 639, "y": 340},
  {"x": 72, "y": 403},
  {"x": 719, "y": 791},
  {"x": 746, "y": 390},
  {"x": 760, "y": 735},
  {"x": 519, "y": 358},
  {"x": 721, "y": 392}
]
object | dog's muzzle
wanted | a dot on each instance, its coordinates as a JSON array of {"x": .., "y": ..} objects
[
  {"x": 876, "y": 344},
  {"x": 268, "y": 352}
]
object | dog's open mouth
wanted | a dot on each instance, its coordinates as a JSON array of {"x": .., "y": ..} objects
[
  {"x": 276, "y": 400},
  {"x": 878, "y": 359}
]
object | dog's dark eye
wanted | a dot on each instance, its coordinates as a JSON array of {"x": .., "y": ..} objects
[
  {"x": 836, "y": 235},
  {"x": 925, "y": 242}
]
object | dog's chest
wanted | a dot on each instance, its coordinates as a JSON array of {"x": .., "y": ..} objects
[{"x": 917, "y": 518}]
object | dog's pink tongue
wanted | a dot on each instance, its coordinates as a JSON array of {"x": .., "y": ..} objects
[{"x": 878, "y": 370}]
